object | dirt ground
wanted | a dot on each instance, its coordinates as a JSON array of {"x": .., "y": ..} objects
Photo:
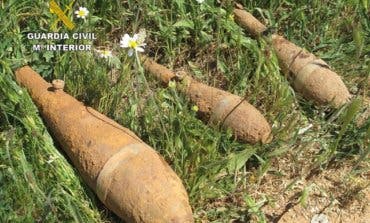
[
  {"x": 334, "y": 192},
  {"x": 329, "y": 193}
]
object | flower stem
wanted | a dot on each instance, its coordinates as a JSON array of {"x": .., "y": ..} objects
[{"x": 141, "y": 70}]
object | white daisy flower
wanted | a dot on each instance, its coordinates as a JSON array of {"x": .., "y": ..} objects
[
  {"x": 200, "y": 1},
  {"x": 135, "y": 43},
  {"x": 105, "y": 54},
  {"x": 82, "y": 12}
]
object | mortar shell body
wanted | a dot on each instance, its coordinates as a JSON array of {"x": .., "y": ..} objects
[
  {"x": 249, "y": 22},
  {"x": 311, "y": 76},
  {"x": 130, "y": 178},
  {"x": 218, "y": 106},
  {"x": 231, "y": 111},
  {"x": 162, "y": 73}
]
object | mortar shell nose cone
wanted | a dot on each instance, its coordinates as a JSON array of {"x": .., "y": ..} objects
[{"x": 58, "y": 84}]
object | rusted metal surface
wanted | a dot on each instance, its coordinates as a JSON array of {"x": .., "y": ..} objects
[
  {"x": 311, "y": 76},
  {"x": 130, "y": 178},
  {"x": 249, "y": 22},
  {"x": 220, "y": 107}
]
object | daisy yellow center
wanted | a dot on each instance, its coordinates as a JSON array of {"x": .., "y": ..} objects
[
  {"x": 132, "y": 44},
  {"x": 105, "y": 52},
  {"x": 81, "y": 13}
]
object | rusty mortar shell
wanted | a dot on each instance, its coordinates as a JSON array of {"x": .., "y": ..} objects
[
  {"x": 311, "y": 76},
  {"x": 129, "y": 177},
  {"x": 218, "y": 106}
]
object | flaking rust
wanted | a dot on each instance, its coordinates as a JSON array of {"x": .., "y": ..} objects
[
  {"x": 311, "y": 76},
  {"x": 129, "y": 177},
  {"x": 218, "y": 106}
]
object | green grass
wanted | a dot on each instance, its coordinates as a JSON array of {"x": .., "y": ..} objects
[{"x": 204, "y": 40}]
